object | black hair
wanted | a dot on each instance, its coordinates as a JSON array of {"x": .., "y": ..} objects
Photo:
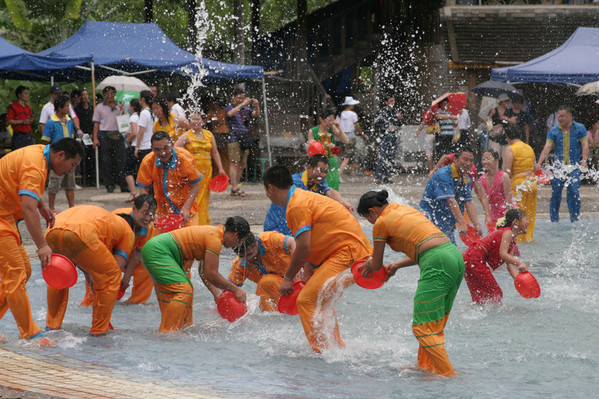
[
  {"x": 172, "y": 98},
  {"x": 314, "y": 160},
  {"x": 75, "y": 93},
  {"x": 129, "y": 220},
  {"x": 20, "y": 89},
  {"x": 147, "y": 96},
  {"x": 242, "y": 248},
  {"x": 458, "y": 153},
  {"x": 510, "y": 216},
  {"x": 514, "y": 132},
  {"x": 278, "y": 176},
  {"x": 566, "y": 108},
  {"x": 371, "y": 199},
  {"x": 142, "y": 199},
  {"x": 325, "y": 113},
  {"x": 136, "y": 105},
  {"x": 107, "y": 88},
  {"x": 99, "y": 97},
  {"x": 163, "y": 104},
  {"x": 70, "y": 146},
  {"x": 445, "y": 100},
  {"x": 237, "y": 91},
  {"x": 61, "y": 101},
  {"x": 493, "y": 153},
  {"x": 160, "y": 135},
  {"x": 237, "y": 224},
  {"x": 386, "y": 96}
]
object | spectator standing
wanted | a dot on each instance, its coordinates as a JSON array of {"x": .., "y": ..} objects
[
  {"x": 239, "y": 115},
  {"x": 219, "y": 126},
  {"x": 20, "y": 117},
  {"x": 85, "y": 113},
  {"x": 348, "y": 122},
  {"x": 132, "y": 162},
  {"x": 59, "y": 126},
  {"x": 517, "y": 119},
  {"x": 447, "y": 122},
  {"x": 48, "y": 110},
  {"x": 174, "y": 107},
  {"x": 145, "y": 125},
  {"x": 386, "y": 123},
  {"x": 498, "y": 119},
  {"x": 110, "y": 140},
  {"x": 593, "y": 136},
  {"x": 571, "y": 149},
  {"x": 463, "y": 124},
  {"x": 169, "y": 122}
]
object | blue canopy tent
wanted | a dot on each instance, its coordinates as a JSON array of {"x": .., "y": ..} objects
[
  {"x": 574, "y": 62},
  {"x": 16, "y": 63},
  {"x": 135, "y": 48}
]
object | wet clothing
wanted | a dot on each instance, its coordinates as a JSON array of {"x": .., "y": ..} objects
[
  {"x": 172, "y": 127},
  {"x": 337, "y": 240},
  {"x": 524, "y": 186},
  {"x": 444, "y": 184},
  {"x": 495, "y": 194},
  {"x": 201, "y": 149},
  {"x": 171, "y": 182},
  {"x": 90, "y": 237},
  {"x": 274, "y": 259},
  {"x": 480, "y": 259},
  {"x": 22, "y": 172}
]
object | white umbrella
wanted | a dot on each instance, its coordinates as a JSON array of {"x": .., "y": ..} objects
[
  {"x": 588, "y": 89},
  {"x": 123, "y": 83}
]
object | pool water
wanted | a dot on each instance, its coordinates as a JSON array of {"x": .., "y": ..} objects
[{"x": 524, "y": 348}]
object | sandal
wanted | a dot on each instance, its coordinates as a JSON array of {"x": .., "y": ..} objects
[{"x": 237, "y": 193}]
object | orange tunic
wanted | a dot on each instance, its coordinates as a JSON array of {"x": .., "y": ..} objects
[
  {"x": 194, "y": 241},
  {"x": 404, "y": 229},
  {"x": 24, "y": 172},
  {"x": 333, "y": 226},
  {"x": 172, "y": 182},
  {"x": 96, "y": 226},
  {"x": 143, "y": 234},
  {"x": 275, "y": 258}
]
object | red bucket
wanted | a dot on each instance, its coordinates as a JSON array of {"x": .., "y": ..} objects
[
  {"x": 60, "y": 273},
  {"x": 167, "y": 223},
  {"x": 120, "y": 294},
  {"x": 229, "y": 307},
  {"x": 527, "y": 285},
  {"x": 371, "y": 283},
  {"x": 288, "y": 304},
  {"x": 471, "y": 237},
  {"x": 219, "y": 183},
  {"x": 542, "y": 178},
  {"x": 316, "y": 148}
]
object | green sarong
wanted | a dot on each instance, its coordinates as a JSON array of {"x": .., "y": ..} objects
[{"x": 161, "y": 257}]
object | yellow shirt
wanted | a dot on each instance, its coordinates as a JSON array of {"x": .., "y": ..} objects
[
  {"x": 404, "y": 229},
  {"x": 524, "y": 157}
]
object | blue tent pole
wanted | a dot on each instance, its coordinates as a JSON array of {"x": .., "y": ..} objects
[{"x": 266, "y": 122}]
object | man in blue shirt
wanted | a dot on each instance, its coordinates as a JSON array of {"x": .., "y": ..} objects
[
  {"x": 59, "y": 126},
  {"x": 448, "y": 193},
  {"x": 571, "y": 145},
  {"x": 311, "y": 179}
]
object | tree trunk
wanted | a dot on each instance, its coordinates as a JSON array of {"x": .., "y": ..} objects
[
  {"x": 238, "y": 37},
  {"x": 192, "y": 35},
  {"x": 148, "y": 11},
  {"x": 255, "y": 28}
]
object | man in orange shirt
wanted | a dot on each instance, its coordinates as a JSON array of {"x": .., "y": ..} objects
[
  {"x": 174, "y": 177},
  {"x": 263, "y": 259},
  {"x": 99, "y": 243},
  {"x": 330, "y": 239},
  {"x": 23, "y": 174}
]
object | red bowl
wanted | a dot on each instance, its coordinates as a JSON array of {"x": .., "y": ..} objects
[
  {"x": 542, "y": 178},
  {"x": 316, "y": 148},
  {"x": 61, "y": 273},
  {"x": 229, "y": 307},
  {"x": 288, "y": 304},
  {"x": 167, "y": 223},
  {"x": 371, "y": 283},
  {"x": 471, "y": 237},
  {"x": 219, "y": 183},
  {"x": 527, "y": 285}
]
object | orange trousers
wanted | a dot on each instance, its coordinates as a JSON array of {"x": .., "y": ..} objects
[
  {"x": 317, "y": 299},
  {"x": 140, "y": 293},
  {"x": 432, "y": 356},
  {"x": 15, "y": 270},
  {"x": 103, "y": 270},
  {"x": 268, "y": 290},
  {"x": 175, "y": 301}
]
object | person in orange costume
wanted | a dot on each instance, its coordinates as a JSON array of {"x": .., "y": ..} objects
[
  {"x": 23, "y": 174},
  {"x": 164, "y": 257},
  {"x": 99, "y": 243},
  {"x": 263, "y": 259},
  {"x": 174, "y": 177},
  {"x": 407, "y": 230},
  {"x": 330, "y": 239},
  {"x": 142, "y": 212}
]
